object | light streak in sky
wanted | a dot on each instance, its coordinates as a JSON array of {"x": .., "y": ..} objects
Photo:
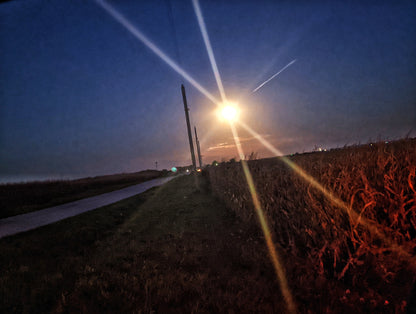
[
  {"x": 263, "y": 222},
  {"x": 140, "y": 36},
  {"x": 207, "y": 42},
  {"x": 267, "y": 81},
  {"x": 230, "y": 114},
  {"x": 264, "y": 225},
  {"x": 357, "y": 218}
]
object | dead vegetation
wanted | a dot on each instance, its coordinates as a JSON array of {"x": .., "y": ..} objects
[{"x": 335, "y": 259}]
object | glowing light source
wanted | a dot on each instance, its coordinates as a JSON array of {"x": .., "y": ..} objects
[{"x": 228, "y": 111}]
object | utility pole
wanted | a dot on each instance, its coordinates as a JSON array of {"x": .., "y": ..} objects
[
  {"x": 188, "y": 125},
  {"x": 198, "y": 149}
]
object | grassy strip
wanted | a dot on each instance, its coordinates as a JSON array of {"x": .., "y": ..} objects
[
  {"x": 180, "y": 250},
  {"x": 183, "y": 252},
  {"x": 37, "y": 266},
  {"x": 22, "y": 198}
]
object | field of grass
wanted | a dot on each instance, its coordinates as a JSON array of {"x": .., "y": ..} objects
[
  {"x": 172, "y": 249},
  {"x": 330, "y": 246},
  {"x": 38, "y": 266},
  {"x": 20, "y": 198}
]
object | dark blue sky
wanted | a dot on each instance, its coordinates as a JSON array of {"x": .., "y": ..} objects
[{"x": 80, "y": 95}]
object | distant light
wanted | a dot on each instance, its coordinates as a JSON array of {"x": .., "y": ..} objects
[
  {"x": 174, "y": 169},
  {"x": 228, "y": 111}
]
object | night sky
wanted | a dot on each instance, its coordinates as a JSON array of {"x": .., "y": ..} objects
[{"x": 81, "y": 96}]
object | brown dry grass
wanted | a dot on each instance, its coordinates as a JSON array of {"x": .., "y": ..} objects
[{"x": 335, "y": 259}]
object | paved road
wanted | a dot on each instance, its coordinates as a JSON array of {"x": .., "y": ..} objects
[{"x": 29, "y": 221}]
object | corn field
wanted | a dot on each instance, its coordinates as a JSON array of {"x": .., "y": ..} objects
[{"x": 331, "y": 253}]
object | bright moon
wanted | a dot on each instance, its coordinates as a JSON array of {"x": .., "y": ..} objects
[{"x": 229, "y": 112}]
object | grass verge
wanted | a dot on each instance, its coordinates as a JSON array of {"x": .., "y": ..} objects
[
  {"x": 172, "y": 249},
  {"x": 20, "y": 198},
  {"x": 37, "y": 266}
]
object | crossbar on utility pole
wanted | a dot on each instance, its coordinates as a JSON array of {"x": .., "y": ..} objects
[{"x": 188, "y": 125}]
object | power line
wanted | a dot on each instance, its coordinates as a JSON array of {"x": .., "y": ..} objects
[{"x": 174, "y": 33}]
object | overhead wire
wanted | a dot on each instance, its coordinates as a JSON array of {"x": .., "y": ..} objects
[{"x": 174, "y": 32}]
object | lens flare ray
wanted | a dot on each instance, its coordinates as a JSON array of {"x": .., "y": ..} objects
[
  {"x": 210, "y": 52},
  {"x": 156, "y": 50},
  {"x": 304, "y": 175},
  {"x": 370, "y": 226},
  {"x": 265, "y": 227},
  {"x": 267, "y": 81}
]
